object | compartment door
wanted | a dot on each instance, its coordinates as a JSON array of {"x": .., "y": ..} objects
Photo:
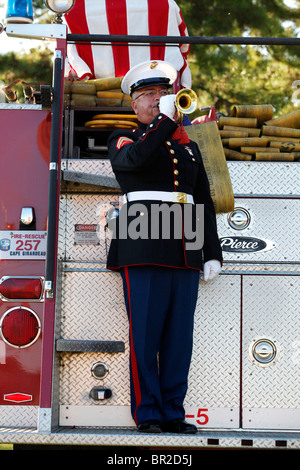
[
  {"x": 213, "y": 397},
  {"x": 271, "y": 352}
]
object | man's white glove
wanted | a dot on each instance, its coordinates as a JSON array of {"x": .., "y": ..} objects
[
  {"x": 167, "y": 105},
  {"x": 211, "y": 269}
]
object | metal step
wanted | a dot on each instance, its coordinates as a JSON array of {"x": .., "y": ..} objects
[{"x": 77, "y": 180}]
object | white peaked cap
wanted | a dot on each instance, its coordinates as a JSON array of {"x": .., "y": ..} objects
[{"x": 153, "y": 72}]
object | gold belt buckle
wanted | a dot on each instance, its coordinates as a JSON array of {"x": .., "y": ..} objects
[{"x": 180, "y": 197}]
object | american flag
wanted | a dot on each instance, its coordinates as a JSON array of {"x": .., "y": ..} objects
[{"x": 122, "y": 17}]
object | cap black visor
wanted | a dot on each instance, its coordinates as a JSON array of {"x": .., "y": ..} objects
[{"x": 148, "y": 82}]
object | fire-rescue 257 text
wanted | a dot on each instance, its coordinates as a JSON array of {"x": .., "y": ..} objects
[
  {"x": 31, "y": 243},
  {"x": 161, "y": 459}
]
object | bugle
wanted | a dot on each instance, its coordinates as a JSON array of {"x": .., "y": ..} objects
[{"x": 186, "y": 102}]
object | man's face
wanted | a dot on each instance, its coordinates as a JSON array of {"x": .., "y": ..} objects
[{"x": 145, "y": 102}]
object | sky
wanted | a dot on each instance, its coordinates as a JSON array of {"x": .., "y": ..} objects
[
  {"x": 8, "y": 44},
  {"x": 14, "y": 44}
]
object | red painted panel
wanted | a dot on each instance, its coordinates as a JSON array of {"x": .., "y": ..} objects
[
  {"x": 25, "y": 140},
  {"x": 25, "y": 147}
]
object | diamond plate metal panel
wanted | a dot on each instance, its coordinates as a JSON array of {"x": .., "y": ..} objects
[
  {"x": 258, "y": 268},
  {"x": 74, "y": 345},
  {"x": 272, "y": 220},
  {"x": 101, "y": 316},
  {"x": 214, "y": 371},
  {"x": 246, "y": 177},
  {"x": 124, "y": 437},
  {"x": 214, "y": 382},
  {"x": 18, "y": 416},
  {"x": 95, "y": 167},
  {"x": 270, "y": 311},
  {"x": 265, "y": 178},
  {"x": 84, "y": 209},
  {"x": 76, "y": 392},
  {"x": 214, "y": 377}
]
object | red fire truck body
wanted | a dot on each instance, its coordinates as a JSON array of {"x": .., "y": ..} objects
[
  {"x": 64, "y": 377},
  {"x": 25, "y": 162}
]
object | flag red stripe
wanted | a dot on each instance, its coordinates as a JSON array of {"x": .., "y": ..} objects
[
  {"x": 117, "y": 24},
  {"x": 81, "y": 27},
  {"x": 158, "y": 15}
]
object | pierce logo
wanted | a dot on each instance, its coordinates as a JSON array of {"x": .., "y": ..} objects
[{"x": 245, "y": 244}]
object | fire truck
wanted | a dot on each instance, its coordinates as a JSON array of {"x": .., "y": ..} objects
[{"x": 64, "y": 349}]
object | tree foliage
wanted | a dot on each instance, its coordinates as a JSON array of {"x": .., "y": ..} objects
[
  {"x": 34, "y": 66},
  {"x": 223, "y": 75}
]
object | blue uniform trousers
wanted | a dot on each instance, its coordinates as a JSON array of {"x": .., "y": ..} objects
[{"x": 160, "y": 303}]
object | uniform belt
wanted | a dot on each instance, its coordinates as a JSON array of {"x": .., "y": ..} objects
[{"x": 158, "y": 196}]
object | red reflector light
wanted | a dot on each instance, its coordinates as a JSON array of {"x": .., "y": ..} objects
[
  {"x": 21, "y": 288},
  {"x": 20, "y": 327},
  {"x": 18, "y": 397}
]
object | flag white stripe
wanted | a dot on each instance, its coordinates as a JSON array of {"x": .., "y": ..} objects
[
  {"x": 137, "y": 23},
  {"x": 97, "y": 24}
]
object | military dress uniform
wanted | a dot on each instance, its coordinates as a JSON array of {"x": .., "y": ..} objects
[{"x": 160, "y": 274}]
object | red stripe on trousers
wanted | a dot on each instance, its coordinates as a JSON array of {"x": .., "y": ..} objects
[
  {"x": 135, "y": 377},
  {"x": 117, "y": 24},
  {"x": 77, "y": 22},
  {"x": 158, "y": 17}
]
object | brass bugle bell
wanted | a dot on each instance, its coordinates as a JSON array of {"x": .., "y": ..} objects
[{"x": 186, "y": 101}]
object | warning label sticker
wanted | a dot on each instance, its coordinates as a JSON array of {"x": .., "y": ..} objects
[{"x": 87, "y": 234}]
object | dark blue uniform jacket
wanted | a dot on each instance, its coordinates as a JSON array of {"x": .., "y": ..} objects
[{"x": 148, "y": 159}]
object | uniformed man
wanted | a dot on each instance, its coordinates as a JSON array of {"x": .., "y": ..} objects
[{"x": 158, "y": 246}]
